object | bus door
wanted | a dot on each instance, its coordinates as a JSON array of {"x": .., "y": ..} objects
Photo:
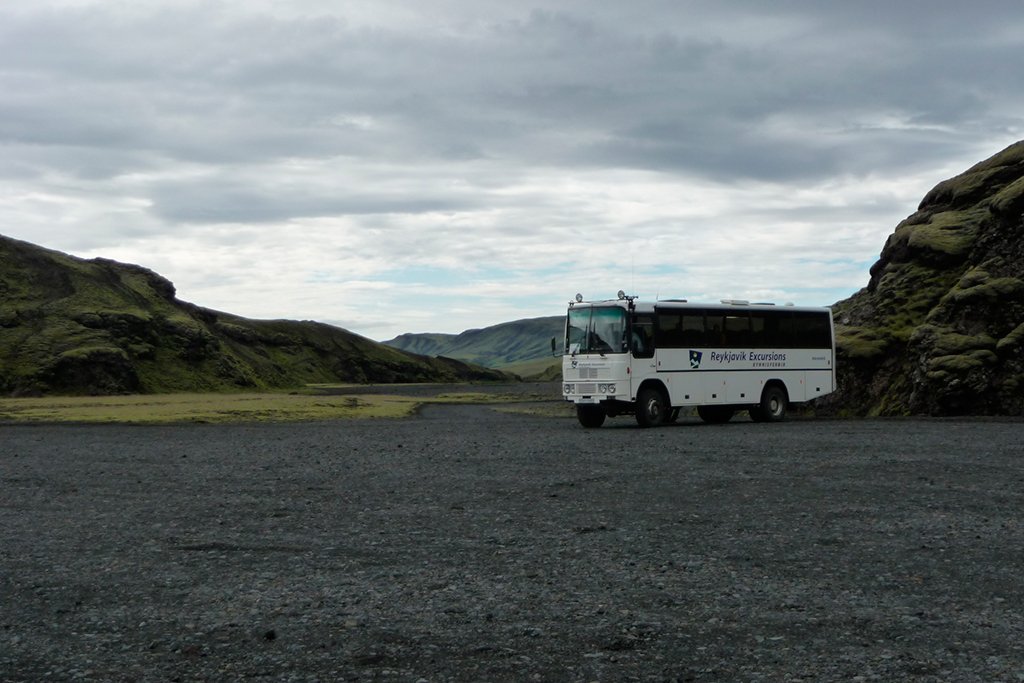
[{"x": 643, "y": 349}]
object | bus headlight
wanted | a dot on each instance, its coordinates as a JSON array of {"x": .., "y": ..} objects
[
  {"x": 606, "y": 388},
  {"x": 567, "y": 389}
]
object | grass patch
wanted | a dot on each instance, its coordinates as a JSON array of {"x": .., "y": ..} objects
[
  {"x": 206, "y": 407},
  {"x": 309, "y": 404}
]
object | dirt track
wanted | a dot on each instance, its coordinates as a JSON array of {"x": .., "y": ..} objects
[{"x": 467, "y": 544}]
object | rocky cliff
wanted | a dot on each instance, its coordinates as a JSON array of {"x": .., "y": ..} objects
[
  {"x": 75, "y": 326},
  {"x": 939, "y": 329}
]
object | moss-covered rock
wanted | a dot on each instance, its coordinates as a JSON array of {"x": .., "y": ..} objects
[
  {"x": 90, "y": 369},
  {"x": 857, "y": 343},
  {"x": 950, "y": 233},
  {"x": 939, "y": 329},
  {"x": 1011, "y": 343}
]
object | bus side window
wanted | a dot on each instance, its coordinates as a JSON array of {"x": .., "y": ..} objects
[
  {"x": 714, "y": 330},
  {"x": 773, "y": 335},
  {"x": 757, "y": 333},
  {"x": 737, "y": 330},
  {"x": 786, "y": 337},
  {"x": 693, "y": 330},
  {"x": 812, "y": 330},
  {"x": 670, "y": 330}
]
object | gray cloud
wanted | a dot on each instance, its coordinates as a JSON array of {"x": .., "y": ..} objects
[
  {"x": 204, "y": 83},
  {"x": 228, "y": 202},
  {"x": 495, "y": 117}
]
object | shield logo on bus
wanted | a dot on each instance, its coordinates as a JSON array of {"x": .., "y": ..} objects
[{"x": 695, "y": 357}]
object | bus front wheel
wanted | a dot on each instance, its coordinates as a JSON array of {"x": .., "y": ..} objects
[
  {"x": 652, "y": 408},
  {"x": 589, "y": 416}
]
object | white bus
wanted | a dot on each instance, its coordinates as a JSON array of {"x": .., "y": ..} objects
[{"x": 626, "y": 357}]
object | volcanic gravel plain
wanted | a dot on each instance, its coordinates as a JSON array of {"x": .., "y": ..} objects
[{"x": 469, "y": 543}]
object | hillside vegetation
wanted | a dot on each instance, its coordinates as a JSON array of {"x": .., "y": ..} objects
[
  {"x": 76, "y": 326},
  {"x": 939, "y": 329}
]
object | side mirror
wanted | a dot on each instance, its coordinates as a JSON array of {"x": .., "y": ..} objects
[{"x": 553, "y": 347}]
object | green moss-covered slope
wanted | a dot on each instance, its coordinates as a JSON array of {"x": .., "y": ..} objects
[
  {"x": 75, "y": 326},
  {"x": 498, "y": 346},
  {"x": 939, "y": 329}
]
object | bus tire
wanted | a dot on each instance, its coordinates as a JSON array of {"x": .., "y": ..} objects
[
  {"x": 590, "y": 416},
  {"x": 652, "y": 408},
  {"x": 715, "y": 414},
  {"x": 773, "y": 404}
]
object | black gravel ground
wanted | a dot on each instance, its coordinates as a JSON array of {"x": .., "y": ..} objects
[{"x": 467, "y": 544}]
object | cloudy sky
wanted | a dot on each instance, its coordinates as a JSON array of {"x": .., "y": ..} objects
[{"x": 396, "y": 166}]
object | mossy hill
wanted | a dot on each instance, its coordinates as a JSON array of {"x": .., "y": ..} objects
[
  {"x": 76, "y": 326},
  {"x": 508, "y": 345},
  {"x": 939, "y": 329}
]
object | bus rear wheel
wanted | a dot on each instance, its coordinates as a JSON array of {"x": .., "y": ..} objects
[
  {"x": 715, "y": 414},
  {"x": 652, "y": 408},
  {"x": 773, "y": 405},
  {"x": 589, "y": 416}
]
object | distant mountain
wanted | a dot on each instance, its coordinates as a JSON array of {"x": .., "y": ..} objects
[
  {"x": 70, "y": 325},
  {"x": 427, "y": 344},
  {"x": 500, "y": 346},
  {"x": 939, "y": 329}
]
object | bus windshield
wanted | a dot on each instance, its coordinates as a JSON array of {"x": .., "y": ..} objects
[{"x": 596, "y": 330}]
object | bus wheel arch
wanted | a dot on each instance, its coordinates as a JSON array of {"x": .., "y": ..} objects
[
  {"x": 774, "y": 403},
  {"x": 652, "y": 404}
]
